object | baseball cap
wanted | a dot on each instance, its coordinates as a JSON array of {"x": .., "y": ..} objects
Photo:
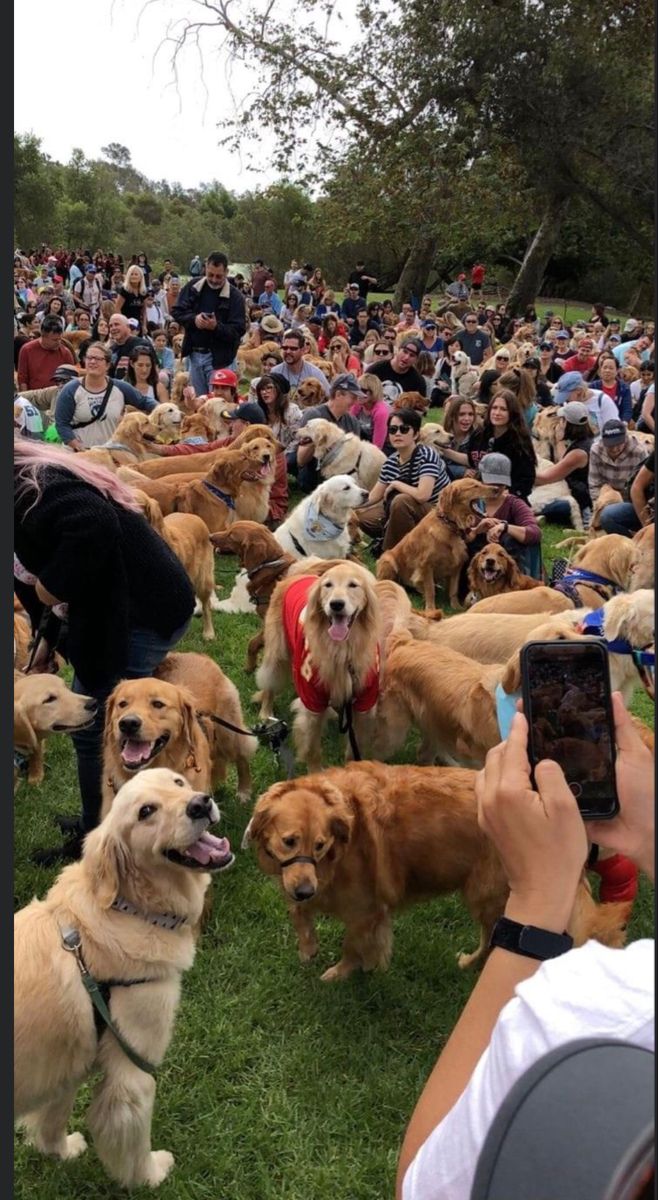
[
  {"x": 562, "y": 335},
  {"x": 614, "y": 321},
  {"x": 631, "y": 325},
  {"x": 57, "y": 279},
  {"x": 429, "y": 324},
  {"x": 250, "y": 412},
  {"x": 495, "y": 468},
  {"x": 271, "y": 324},
  {"x": 614, "y": 432},
  {"x": 545, "y": 345},
  {"x": 133, "y": 322},
  {"x": 614, "y": 337},
  {"x": 354, "y": 287},
  {"x": 90, "y": 269},
  {"x": 549, "y": 313},
  {"x": 224, "y": 377},
  {"x": 567, "y": 384},
  {"x": 63, "y": 373},
  {"x": 586, "y": 343},
  {"x": 575, "y": 413},
  {"x": 347, "y": 382}
]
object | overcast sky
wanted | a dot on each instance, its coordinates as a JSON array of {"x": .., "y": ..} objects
[{"x": 171, "y": 134}]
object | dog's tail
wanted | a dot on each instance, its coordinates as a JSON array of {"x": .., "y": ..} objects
[{"x": 387, "y": 567}]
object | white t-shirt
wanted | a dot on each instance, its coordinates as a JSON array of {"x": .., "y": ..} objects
[{"x": 590, "y": 992}]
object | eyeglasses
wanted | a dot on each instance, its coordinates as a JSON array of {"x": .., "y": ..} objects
[
  {"x": 393, "y": 429},
  {"x": 92, "y": 358},
  {"x": 470, "y": 322}
]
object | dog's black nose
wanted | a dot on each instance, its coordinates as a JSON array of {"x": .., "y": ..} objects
[
  {"x": 91, "y": 705},
  {"x": 304, "y": 891},
  {"x": 130, "y": 725},
  {"x": 199, "y": 807},
  {"x": 337, "y": 606}
]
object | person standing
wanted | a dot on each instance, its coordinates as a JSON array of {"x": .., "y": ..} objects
[
  {"x": 363, "y": 281},
  {"x": 212, "y": 313},
  {"x": 81, "y": 541},
  {"x": 477, "y": 277},
  {"x": 87, "y": 293}
]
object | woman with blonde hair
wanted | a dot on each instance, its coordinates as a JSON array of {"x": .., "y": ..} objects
[
  {"x": 131, "y": 300},
  {"x": 372, "y": 412},
  {"x": 341, "y": 357}
]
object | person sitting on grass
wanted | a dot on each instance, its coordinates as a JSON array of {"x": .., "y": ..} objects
[
  {"x": 575, "y": 437},
  {"x": 523, "y": 1006},
  {"x": 506, "y": 518},
  {"x": 461, "y": 422}
]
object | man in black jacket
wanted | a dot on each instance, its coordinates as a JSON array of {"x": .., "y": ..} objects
[{"x": 212, "y": 313}]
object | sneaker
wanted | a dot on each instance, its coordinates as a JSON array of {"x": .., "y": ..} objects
[
  {"x": 68, "y": 822},
  {"x": 69, "y": 851}
]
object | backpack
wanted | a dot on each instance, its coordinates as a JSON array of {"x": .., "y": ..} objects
[{"x": 196, "y": 267}]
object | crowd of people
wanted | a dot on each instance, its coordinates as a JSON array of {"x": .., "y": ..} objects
[{"x": 94, "y": 335}]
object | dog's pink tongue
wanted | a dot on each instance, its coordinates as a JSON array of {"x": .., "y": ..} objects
[
  {"x": 339, "y": 629},
  {"x": 135, "y": 752},
  {"x": 209, "y": 849}
]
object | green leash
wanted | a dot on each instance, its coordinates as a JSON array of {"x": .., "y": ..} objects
[{"x": 72, "y": 942}]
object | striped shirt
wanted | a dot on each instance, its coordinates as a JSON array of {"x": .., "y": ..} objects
[{"x": 424, "y": 461}]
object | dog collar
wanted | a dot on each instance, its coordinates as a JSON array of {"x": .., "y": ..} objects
[
  {"x": 162, "y": 920},
  {"x": 592, "y": 624},
  {"x": 228, "y": 500},
  {"x": 271, "y": 562},
  {"x": 331, "y": 455},
  {"x": 115, "y": 446}
]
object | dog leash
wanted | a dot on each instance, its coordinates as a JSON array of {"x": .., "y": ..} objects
[
  {"x": 271, "y": 733},
  {"x": 72, "y": 942}
]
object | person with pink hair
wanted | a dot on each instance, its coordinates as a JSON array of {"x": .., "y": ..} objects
[{"x": 100, "y": 586}]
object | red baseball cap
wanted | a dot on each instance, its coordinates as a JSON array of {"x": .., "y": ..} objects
[
  {"x": 585, "y": 344},
  {"x": 224, "y": 378},
  {"x": 57, "y": 279}
]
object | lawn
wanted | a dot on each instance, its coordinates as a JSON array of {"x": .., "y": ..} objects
[{"x": 276, "y": 1086}]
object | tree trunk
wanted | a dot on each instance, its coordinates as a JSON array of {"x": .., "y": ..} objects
[
  {"x": 527, "y": 283},
  {"x": 414, "y": 274}
]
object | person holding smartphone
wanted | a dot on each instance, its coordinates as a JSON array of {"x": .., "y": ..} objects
[
  {"x": 212, "y": 313},
  {"x": 522, "y": 1006}
]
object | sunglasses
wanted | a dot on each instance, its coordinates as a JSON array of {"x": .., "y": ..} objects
[
  {"x": 381, "y": 353},
  {"x": 399, "y": 428}
]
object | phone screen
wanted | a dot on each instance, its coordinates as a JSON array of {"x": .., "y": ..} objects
[{"x": 566, "y": 700}]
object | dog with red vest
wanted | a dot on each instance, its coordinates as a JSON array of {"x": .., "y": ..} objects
[{"x": 325, "y": 632}]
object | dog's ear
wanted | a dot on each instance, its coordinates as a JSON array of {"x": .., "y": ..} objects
[
  {"x": 340, "y": 830},
  {"x": 617, "y": 612},
  {"x": 342, "y": 818},
  {"x": 188, "y": 712},
  {"x": 511, "y": 569},
  {"x": 24, "y": 734},
  {"x": 262, "y": 813},
  {"x": 107, "y": 862}
]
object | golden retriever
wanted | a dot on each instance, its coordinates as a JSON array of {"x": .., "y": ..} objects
[
  {"x": 340, "y": 453},
  {"x": 215, "y": 413},
  {"x": 538, "y": 600},
  {"x": 362, "y": 841},
  {"x": 493, "y": 571},
  {"x": 250, "y": 360},
  {"x": 154, "y": 850},
  {"x": 188, "y": 537},
  {"x": 195, "y": 425},
  {"x": 180, "y": 381},
  {"x": 163, "y": 721},
  {"x": 486, "y": 637},
  {"x": 310, "y": 393},
  {"x": 413, "y": 400},
  {"x": 318, "y": 524},
  {"x": 43, "y": 705},
  {"x": 129, "y": 443},
  {"x": 167, "y": 420},
  {"x": 236, "y": 487},
  {"x": 435, "y": 551},
  {"x": 203, "y": 461},
  {"x": 643, "y": 561},
  {"x": 325, "y": 632},
  {"x": 433, "y": 434},
  {"x": 22, "y": 636}
]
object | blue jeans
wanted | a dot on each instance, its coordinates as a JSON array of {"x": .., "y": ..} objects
[
  {"x": 620, "y": 518},
  {"x": 455, "y": 470},
  {"x": 201, "y": 369},
  {"x": 146, "y": 651}
]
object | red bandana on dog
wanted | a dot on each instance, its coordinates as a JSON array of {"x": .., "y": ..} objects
[{"x": 312, "y": 693}]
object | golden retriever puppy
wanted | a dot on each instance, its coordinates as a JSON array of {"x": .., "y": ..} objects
[
  {"x": 326, "y": 633},
  {"x": 492, "y": 571},
  {"x": 165, "y": 721},
  {"x": 129, "y": 444},
  {"x": 22, "y": 636},
  {"x": 362, "y": 841},
  {"x": 167, "y": 419},
  {"x": 643, "y": 561},
  {"x": 188, "y": 537},
  {"x": 202, "y": 462},
  {"x": 43, "y": 705},
  {"x": 311, "y": 392},
  {"x": 339, "y": 453},
  {"x": 236, "y": 487},
  {"x": 537, "y": 600},
  {"x": 435, "y": 551},
  {"x": 134, "y": 900}
]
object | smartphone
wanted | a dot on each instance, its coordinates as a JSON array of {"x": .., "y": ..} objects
[{"x": 568, "y": 706}]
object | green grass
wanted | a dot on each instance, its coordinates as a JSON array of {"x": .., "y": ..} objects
[{"x": 276, "y": 1086}]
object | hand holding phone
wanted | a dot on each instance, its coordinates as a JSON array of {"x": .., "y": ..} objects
[
  {"x": 632, "y": 831},
  {"x": 566, "y": 699}
]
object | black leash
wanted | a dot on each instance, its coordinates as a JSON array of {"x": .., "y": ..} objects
[
  {"x": 346, "y": 725},
  {"x": 271, "y": 733}
]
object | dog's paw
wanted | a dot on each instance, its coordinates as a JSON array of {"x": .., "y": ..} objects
[
  {"x": 308, "y": 953},
  {"x": 335, "y": 973},
  {"x": 160, "y": 1164},
  {"x": 75, "y": 1145},
  {"x": 197, "y": 608},
  {"x": 244, "y": 797},
  {"x": 464, "y": 961}
]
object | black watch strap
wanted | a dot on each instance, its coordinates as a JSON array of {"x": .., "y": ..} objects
[{"x": 528, "y": 940}]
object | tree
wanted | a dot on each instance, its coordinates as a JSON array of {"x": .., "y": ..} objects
[{"x": 562, "y": 82}]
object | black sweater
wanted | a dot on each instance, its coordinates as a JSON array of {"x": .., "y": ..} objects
[
  {"x": 523, "y": 461},
  {"x": 114, "y": 572}
]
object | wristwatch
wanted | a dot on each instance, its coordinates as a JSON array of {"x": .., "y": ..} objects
[
  {"x": 506, "y": 524},
  {"x": 528, "y": 940}
]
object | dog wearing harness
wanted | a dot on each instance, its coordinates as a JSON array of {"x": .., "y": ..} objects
[
  {"x": 325, "y": 632},
  {"x": 98, "y": 967}
]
